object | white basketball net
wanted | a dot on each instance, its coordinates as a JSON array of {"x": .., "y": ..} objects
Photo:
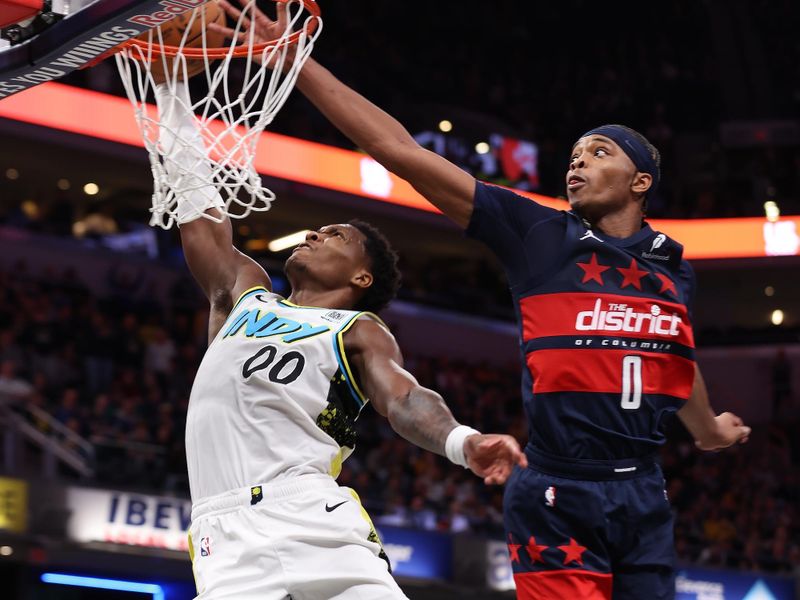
[{"x": 206, "y": 145}]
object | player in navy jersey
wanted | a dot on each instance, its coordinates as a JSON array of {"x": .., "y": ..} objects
[{"x": 604, "y": 310}]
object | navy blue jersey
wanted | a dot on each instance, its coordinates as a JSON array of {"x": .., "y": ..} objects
[{"x": 604, "y": 324}]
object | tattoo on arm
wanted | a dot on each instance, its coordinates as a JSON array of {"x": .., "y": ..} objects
[{"x": 422, "y": 417}]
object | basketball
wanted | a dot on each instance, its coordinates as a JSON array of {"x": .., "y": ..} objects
[{"x": 173, "y": 31}]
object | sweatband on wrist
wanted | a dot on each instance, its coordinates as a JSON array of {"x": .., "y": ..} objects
[{"x": 454, "y": 445}]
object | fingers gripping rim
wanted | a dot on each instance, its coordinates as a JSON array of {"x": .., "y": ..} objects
[{"x": 240, "y": 51}]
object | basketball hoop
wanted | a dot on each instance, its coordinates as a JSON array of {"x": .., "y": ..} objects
[{"x": 204, "y": 143}]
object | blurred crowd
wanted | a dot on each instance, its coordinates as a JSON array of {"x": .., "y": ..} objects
[
  {"x": 115, "y": 372},
  {"x": 740, "y": 508},
  {"x": 475, "y": 286},
  {"x": 118, "y": 371},
  {"x": 547, "y": 72}
]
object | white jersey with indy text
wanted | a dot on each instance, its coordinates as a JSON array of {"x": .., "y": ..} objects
[{"x": 274, "y": 397}]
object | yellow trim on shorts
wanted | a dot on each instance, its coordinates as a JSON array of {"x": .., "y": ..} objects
[
  {"x": 191, "y": 558},
  {"x": 365, "y": 514}
]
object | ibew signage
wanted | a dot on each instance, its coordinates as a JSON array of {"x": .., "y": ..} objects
[
  {"x": 499, "y": 574},
  {"x": 126, "y": 518}
]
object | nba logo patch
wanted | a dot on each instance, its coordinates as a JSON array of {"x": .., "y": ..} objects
[
  {"x": 205, "y": 546},
  {"x": 550, "y": 496}
]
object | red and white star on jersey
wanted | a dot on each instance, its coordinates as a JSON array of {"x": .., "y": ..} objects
[
  {"x": 574, "y": 552},
  {"x": 592, "y": 271},
  {"x": 632, "y": 275},
  {"x": 535, "y": 550},
  {"x": 513, "y": 549},
  {"x": 667, "y": 285}
]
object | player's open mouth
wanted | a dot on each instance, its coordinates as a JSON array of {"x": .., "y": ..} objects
[{"x": 575, "y": 182}]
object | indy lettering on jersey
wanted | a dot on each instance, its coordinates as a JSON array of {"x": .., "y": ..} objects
[{"x": 258, "y": 325}]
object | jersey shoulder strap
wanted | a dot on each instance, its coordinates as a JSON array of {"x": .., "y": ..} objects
[{"x": 341, "y": 356}]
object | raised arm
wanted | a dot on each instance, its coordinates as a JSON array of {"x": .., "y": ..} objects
[
  {"x": 445, "y": 185},
  {"x": 221, "y": 270},
  {"x": 417, "y": 413},
  {"x": 709, "y": 431}
]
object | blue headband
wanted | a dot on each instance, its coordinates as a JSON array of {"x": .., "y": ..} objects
[{"x": 631, "y": 146}]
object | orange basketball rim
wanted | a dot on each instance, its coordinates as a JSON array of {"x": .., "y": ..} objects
[{"x": 241, "y": 50}]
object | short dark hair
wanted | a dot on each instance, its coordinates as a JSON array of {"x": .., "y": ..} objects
[{"x": 383, "y": 265}]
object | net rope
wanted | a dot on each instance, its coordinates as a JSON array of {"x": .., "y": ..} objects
[{"x": 216, "y": 149}]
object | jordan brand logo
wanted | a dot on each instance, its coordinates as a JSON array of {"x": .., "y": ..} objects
[{"x": 590, "y": 234}]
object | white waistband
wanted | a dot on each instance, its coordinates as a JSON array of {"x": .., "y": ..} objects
[{"x": 256, "y": 493}]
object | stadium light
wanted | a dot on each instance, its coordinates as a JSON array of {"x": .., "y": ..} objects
[
  {"x": 772, "y": 211},
  {"x": 91, "y": 189},
  {"x": 287, "y": 241},
  {"x": 769, "y": 291},
  {"x": 6, "y": 551},
  {"x": 63, "y": 184},
  {"x": 777, "y": 317},
  {"x": 30, "y": 209},
  {"x": 482, "y": 148},
  {"x": 105, "y": 584},
  {"x": 12, "y": 173},
  {"x": 445, "y": 126}
]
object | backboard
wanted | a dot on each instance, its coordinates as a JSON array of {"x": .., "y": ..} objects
[{"x": 75, "y": 37}]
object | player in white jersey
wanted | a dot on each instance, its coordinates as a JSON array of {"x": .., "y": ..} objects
[{"x": 273, "y": 405}]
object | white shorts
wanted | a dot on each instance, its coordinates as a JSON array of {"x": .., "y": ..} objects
[{"x": 306, "y": 539}]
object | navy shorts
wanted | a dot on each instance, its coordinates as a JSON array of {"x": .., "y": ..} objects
[{"x": 589, "y": 530}]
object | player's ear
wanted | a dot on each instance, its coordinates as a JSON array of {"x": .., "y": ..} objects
[
  {"x": 641, "y": 183},
  {"x": 362, "y": 279}
]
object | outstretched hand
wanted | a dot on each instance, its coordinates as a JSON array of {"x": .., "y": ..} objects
[
  {"x": 263, "y": 28},
  {"x": 730, "y": 430},
  {"x": 493, "y": 456}
]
